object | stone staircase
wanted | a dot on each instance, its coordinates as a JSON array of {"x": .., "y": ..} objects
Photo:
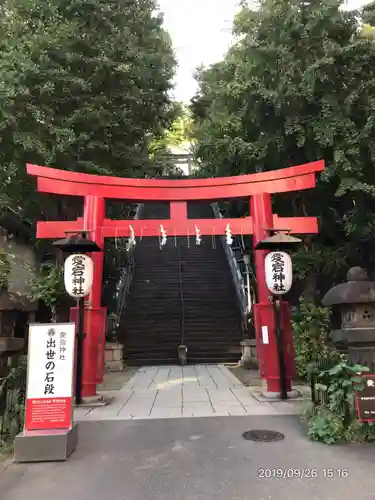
[{"x": 182, "y": 294}]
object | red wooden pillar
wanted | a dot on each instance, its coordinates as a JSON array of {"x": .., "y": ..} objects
[
  {"x": 264, "y": 317},
  {"x": 95, "y": 315}
]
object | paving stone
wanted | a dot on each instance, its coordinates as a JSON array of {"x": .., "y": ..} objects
[
  {"x": 143, "y": 395},
  {"x": 191, "y": 394},
  {"x": 103, "y": 413},
  {"x": 288, "y": 407},
  {"x": 218, "y": 376},
  {"x": 134, "y": 412},
  {"x": 193, "y": 382},
  {"x": 237, "y": 411},
  {"x": 168, "y": 403},
  {"x": 226, "y": 408},
  {"x": 81, "y": 412},
  {"x": 171, "y": 389},
  {"x": 207, "y": 384},
  {"x": 261, "y": 409},
  {"x": 189, "y": 371},
  {"x": 218, "y": 395},
  {"x": 174, "y": 391},
  {"x": 166, "y": 413},
  {"x": 246, "y": 401},
  {"x": 229, "y": 375},
  {"x": 197, "y": 409}
]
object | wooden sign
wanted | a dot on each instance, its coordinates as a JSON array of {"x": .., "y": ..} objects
[{"x": 365, "y": 400}]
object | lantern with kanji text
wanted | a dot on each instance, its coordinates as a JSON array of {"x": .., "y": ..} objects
[
  {"x": 279, "y": 274},
  {"x": 78, "y": 275}
]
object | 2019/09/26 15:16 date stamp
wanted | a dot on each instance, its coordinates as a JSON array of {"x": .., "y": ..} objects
[{"x": 299, "y": 473}]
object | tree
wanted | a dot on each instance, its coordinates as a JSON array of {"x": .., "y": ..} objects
[
  {"x": 368, "y": 14},
  {"x": 178, "y": 134},
  {"x": 180, "y": 131},
  {"x": 298, "y": 85},
  {"x": 48, "y": 287},
  {"x": 84, "y": 87}
]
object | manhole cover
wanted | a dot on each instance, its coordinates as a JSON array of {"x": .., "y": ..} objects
[{"x": 263, "y": 436}]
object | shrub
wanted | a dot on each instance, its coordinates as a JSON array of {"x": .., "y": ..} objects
[
  {"x": 12, "y": 400},
  {"x": 310, "y": 329},
  {"x": 5, "y": 269},
  {"x": 48, "y": 287},
  {"x": 334, "y": 419}
]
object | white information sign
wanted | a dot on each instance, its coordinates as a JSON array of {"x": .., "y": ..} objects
[
  {"x": 265, "y": 338},
  {"x": 50, "y": 376}
]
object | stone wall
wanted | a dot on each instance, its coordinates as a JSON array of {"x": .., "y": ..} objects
[
  {"x": 249, "y": 358},
  {"x": 113, "y": 357},
  {"x": 23, "y": 262},
  {"x": 16, "y": 310}
]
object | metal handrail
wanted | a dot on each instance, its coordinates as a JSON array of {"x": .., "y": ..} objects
[
  {"x": 238, "y": 279},
  {"x": 127, "y": 273},
  {"x": 124, "y": 287}
]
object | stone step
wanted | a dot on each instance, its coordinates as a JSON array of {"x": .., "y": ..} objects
[{"x": 151, "y": 324}]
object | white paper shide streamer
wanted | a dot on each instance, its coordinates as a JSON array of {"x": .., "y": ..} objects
[
  {"x": 198, "y": 237},
  {"x": 163, "y": 240},
  {"x": 228, "y": 235}
]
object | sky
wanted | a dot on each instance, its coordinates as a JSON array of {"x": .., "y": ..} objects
[{"x": 201, "y": 34}]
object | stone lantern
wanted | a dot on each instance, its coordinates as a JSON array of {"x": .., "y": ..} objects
[{"x": 356, "y": 300}]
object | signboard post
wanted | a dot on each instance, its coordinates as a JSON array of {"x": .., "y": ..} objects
[
  {"x": 365, "y": 399},
  {"x": 49, "y": 433}
]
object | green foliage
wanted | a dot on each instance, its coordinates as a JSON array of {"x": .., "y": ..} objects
[
  {"x": 181, "y": 129},
  {"x": 298, "y": 85},
  {"x": 177, "y": 134},
  {"x": 327, "y": 261},
  {"x": 368, "y": 32},
  {"x": 5, "y": 268},
  {"x": 310, "y": 329},
  {"x": 12, "y": 391},
  {"x": 368, "y": 14},
  {"x": 48, "y": 286},
  {"x": 85, "y": 87},
  {"x": 334, "y": 419},
  {"x": 325, "y": 426}
]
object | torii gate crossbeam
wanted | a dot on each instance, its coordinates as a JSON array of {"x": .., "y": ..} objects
[{"x": 259, "y": 187}]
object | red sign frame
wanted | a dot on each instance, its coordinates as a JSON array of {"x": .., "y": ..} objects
[{"x": 367, "y": 375}]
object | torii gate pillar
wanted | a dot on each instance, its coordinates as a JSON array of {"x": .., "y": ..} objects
[
  {"x": 264, "y": 316},
  {"x": 95, "y": 315}
]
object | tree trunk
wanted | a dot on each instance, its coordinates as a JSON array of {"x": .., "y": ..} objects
[{"x": 53, "y": 314}]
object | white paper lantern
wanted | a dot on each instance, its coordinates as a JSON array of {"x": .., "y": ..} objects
[
  {"x": 279, "y": 274},
  {"x": 78, "y": 275}
]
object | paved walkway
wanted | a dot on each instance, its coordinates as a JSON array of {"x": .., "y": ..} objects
[{"x": 175, "y": 391}]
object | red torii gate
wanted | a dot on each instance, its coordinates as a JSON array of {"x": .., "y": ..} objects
[{"x": 259, "y": 187}]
